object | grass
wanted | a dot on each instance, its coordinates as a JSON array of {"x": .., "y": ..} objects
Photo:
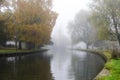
[
  {"x": 7, "y": 51},
  {"x": 114, "y": 67}
]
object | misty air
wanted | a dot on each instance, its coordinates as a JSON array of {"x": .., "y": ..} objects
[{"x": 59, "y": 39}]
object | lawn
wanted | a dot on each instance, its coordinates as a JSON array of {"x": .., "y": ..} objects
[
  {"x": 6, "y": 51},
  {"x": 114, "y": 67}
]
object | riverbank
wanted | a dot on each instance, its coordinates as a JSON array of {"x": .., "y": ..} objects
[
  {"x": 14, "y": 52},
  {"x": 105, "y": 71},
  {"x": 111, "y": 71},
  {"x": 114, "y": 68}
]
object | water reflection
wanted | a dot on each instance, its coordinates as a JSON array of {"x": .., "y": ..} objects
[
  {"x": 31, "y": 67},
  {"x": 75, "y": 65},
  {"x": 85, "y": 66},
  {"x": 59, "y": 64}
]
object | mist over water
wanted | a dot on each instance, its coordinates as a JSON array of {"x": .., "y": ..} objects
[
  {"x": 67, "y": 10},
  {"x": 60, "y": 36}
]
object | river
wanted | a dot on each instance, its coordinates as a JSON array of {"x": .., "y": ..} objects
[{"x": 51, "y": 65}]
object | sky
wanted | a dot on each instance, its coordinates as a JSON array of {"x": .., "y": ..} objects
[{"x": 67, "y": 9}]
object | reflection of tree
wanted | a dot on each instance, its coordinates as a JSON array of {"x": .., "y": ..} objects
[
  {"x": 28, "y": 68},
  {"x": 86, "y": 68},
  {"x": 60, "y": 64}
]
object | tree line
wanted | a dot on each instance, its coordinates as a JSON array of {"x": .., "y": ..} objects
[
  {"x": 101, "y": 22},
  {"x": 99, "y": 26}
]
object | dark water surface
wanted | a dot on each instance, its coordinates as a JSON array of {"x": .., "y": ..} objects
[{"x": 63, "y": 65}]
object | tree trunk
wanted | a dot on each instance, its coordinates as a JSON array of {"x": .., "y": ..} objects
[
  {"x": 116, "y": 29},
  {"x": 20, "y": 45},
  {"x": 16, "y": 44},
  {"x": 117, "y": 34}
]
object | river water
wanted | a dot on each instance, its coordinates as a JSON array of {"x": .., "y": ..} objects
[{"x": 51, "y": 65}]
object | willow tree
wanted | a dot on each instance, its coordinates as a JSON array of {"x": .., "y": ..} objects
[
  {"x": 32, "y": 21},
  {"x": 81, "y": 30},
  {"x": 106, "y": 17}
]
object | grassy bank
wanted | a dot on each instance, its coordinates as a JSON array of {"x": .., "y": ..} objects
[
  {"x": 7, "y": 51},
  {"x": 112, "y": 66},
  {"x": 14, "y": 52}
]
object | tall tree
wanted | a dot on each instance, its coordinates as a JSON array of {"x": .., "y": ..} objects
[
  {"x": 106, "y": 14},
  {"x": 81, "y": 29},
  {"x": 32, "y": 21}
]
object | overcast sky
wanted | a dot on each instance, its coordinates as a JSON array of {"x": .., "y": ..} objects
[{"x": 66, "y": 9}]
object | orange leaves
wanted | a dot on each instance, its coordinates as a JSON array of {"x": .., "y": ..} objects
[{"x": 33, "y": 20}]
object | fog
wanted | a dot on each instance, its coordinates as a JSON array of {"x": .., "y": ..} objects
[{"x": 67, "y": 9}]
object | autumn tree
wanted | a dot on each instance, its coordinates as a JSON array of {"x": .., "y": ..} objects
[
  {"x": 32, "y": 21},
  {"x": 106, "y": 17}
]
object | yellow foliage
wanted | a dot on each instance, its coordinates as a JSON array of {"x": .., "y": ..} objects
[{"x": 32, "y": 20}]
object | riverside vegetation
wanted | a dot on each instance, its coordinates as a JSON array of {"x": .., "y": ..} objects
[
  {"x": 26, "y": 21},
  {"x": 112, "y": 66}
]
